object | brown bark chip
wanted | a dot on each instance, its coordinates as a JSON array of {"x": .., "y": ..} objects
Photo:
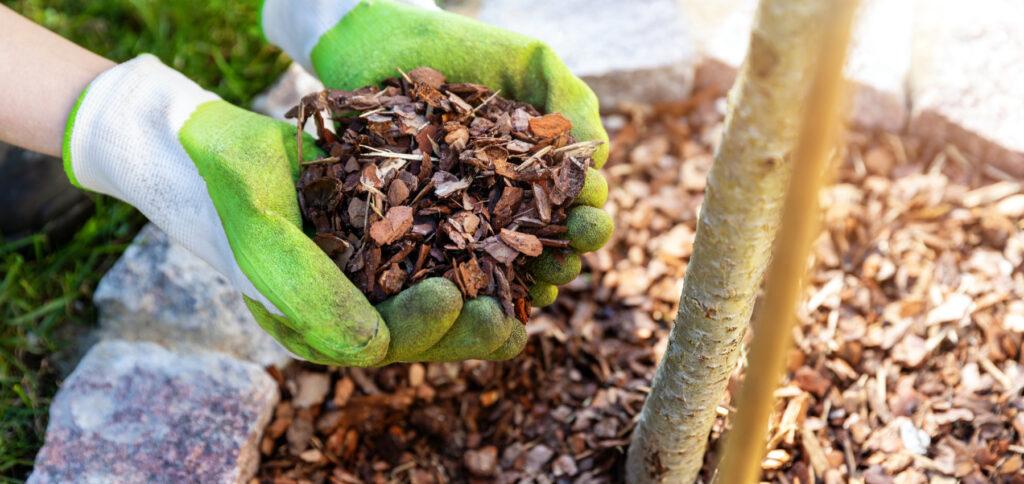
[
  {"x": 550, "y": 125},
  {"x": 428, "y": 178},
  {"x": 393, "y": 226},
  {"x": 528, "y": 244}
]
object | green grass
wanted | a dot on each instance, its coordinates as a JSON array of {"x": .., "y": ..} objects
[
  {"x": 46, "y": 290},
  {"x": 45, "y": 295}
]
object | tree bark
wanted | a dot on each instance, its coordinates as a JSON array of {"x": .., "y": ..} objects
[
  {"x": 739, "y": 218},
  {"x": 744, "y": 446}
]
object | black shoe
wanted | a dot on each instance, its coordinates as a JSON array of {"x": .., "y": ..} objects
[{"x": 36, "y": 197}]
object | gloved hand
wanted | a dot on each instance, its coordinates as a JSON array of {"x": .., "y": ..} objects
[
  {"x": 221, "y": 181},
  {"x": 350, "y": 44}
]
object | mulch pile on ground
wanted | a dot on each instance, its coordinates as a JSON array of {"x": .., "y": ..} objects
[
  {"x": 907, "y": 367},
  {"x": 427, "y": 178}
]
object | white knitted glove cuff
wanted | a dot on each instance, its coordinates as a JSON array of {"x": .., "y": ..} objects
[
  {"x": 297, "y": 25},
  {"x": 124, "y": 143}
]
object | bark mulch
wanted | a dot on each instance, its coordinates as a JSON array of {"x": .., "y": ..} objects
[
  {"x": 428, "y": 178},
  {"x": 909, "y": 365}
]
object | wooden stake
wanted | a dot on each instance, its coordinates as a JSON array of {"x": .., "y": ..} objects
[
  {"x": 744, "y": 448},
  {"x": 739, "y": 219}
]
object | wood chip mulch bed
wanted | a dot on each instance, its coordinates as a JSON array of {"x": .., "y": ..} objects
[{"x": 909, "y": 365}]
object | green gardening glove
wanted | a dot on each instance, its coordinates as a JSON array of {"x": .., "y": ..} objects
[
  {"x": 221, "y": 181},
  {"x": 353, "y": 44}
]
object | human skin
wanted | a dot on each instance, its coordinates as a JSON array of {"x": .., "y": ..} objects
[{"x": 41, "y": 78}]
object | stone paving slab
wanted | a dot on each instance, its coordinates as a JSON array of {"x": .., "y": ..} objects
[
  {"x": 159, "y": 291},
  {"x": 138, "y": 412},
  {"x": 878, "y": 65},
  {"x": 626, "y": 50},
  {"x": 967, "y": 79}
]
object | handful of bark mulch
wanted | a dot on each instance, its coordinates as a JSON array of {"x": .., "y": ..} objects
[{"x": 427, "y": 178}]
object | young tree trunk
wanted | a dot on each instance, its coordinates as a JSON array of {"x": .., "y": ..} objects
[
  {"x": 742, "y": 206},
  {"x": 740, "y": 456}
]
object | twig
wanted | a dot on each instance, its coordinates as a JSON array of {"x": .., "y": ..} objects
[
  {"x": 378, "y": 153},
  {"x": 557, "y": 243},
  {"x": 426, "y": 188},
  {"x": 404, "y": 75},
  {"x": 580, "y": 146},
  {"x": 300, "y": 121},
  {"x": 996, "y": 373},
  {"x": 329, "y": 159},
  {"x": 372, "y": 112},
  {"x": 533, "y": 158},
  {"x": 492, "y": 96}
]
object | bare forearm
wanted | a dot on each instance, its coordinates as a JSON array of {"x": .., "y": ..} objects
[{"x": 41, "y": 77}]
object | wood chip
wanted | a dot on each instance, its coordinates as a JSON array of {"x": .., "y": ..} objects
[
  {"x": 393, "y": 226},
  {"x": 550, "y": 125},
  {"x": 528, "y": 244}
]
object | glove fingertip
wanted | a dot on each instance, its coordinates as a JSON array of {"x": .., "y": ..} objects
[
  {"x": 513, "y": 345},
  {"x": 600, "y": 156},
  {"x": 480, "y": 329},
  {"x": 589, "y": 228},
  {"x": 420, "y": 316},
  {"x": 542, "y": 294},
  {"x": 556, "y": 267},
  {"x": 595, "y": 190},
  {"x": 589, "y": 128}
]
